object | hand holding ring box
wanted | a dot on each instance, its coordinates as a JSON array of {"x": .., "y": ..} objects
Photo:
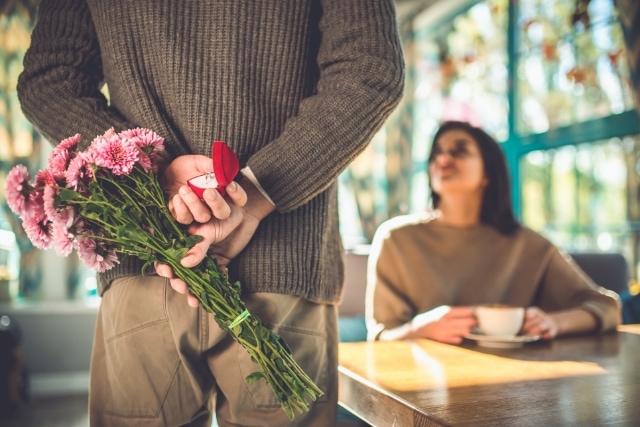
[
  {"x": 225, "y": 168},
  {"x": 500, "y": 320}
]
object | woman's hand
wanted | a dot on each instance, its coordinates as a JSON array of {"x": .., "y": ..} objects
[
  {"x": 445, "y": 324},
  {"x": 538, "y": 322}
]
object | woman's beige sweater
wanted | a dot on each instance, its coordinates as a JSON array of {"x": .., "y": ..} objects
[{"x": 417, "y": 264}]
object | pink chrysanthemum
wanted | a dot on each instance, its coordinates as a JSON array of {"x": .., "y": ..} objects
[
  {"x": 63, "y": 237},
  {"x": 18, "y": 190},
  {"x": 67, "y": 144},
  {"x": 81, "y": 227},
  {"x": 95, "y": 255},
  {"x": 62, "y": 155},
  {"x": 35, "y": 207},
  {"x": 49, "y": 201},
  {"x": 44, "y": 177},
  {"x": 144, "y": 160},
  {"x": 148, "y": 141},
  {"x": 79, "y": 170},
  {"x": 38, "y": 229},
  {"x": 114, "y": 153}
]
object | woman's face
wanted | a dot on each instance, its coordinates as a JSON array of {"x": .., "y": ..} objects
[{"x": 457, "y": 165}]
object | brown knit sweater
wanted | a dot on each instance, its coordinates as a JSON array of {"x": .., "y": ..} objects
[
  {"x": 417, "y": 264},
  {"x": 296, "y": 88}
]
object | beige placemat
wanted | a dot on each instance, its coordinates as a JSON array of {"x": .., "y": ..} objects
[{"x": 424, "y": 364}]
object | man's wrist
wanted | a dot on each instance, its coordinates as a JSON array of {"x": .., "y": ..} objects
[
  {"x": 258, "y": 205},
  {"x": 247, "y": 173}
]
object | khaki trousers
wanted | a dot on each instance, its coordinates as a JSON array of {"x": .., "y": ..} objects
[{"x": 158, "y": 362}]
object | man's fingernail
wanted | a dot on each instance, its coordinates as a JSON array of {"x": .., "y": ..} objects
[
  {"x": 232, "y": 186},
  {"x": 210, "y": 194}
]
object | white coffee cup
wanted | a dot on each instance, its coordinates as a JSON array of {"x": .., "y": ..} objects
[{"x": 500, "y": 320}]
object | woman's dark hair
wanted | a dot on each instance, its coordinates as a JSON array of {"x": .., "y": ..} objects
[{"x": 497, "y": 210}]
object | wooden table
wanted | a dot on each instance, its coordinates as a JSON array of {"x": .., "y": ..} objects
[{"x": 577, "y": 381}]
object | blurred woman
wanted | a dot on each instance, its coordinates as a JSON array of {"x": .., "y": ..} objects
[{"x": 427, "y": 272}]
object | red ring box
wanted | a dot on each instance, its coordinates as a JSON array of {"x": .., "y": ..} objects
[{"x": 225, "y": 167}]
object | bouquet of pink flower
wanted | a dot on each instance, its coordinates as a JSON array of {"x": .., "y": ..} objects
[{"x": 106, "y": 201}]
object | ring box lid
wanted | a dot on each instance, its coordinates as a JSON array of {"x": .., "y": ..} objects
[{"x": 225, "y": 168}]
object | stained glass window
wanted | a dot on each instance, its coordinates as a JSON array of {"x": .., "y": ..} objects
[
  {"x": 571, "y": 67},
  {"x": 461, "y": 70},
  {"x": 575, "y": 189},
  {"x": 584, "y": 197}
]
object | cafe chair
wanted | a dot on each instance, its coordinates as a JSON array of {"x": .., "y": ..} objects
[
  {"x": 609, "y": 270},
  {"x": 351, "y": 323}
]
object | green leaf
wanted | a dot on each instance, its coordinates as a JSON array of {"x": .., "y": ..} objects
[
  {"x": 176, "y": 254},
  {"x": 248, "y": 336},
  {"x": 67, "y": 195},
  {"x": 237, "y": 330},
  {"x": 283, "y": 343},
  {"x": 192, "y": 240},
  {"x": 92, "y": 215},
  {"x": 254, "y": 377},
  {"x": 132, "y": 232}
]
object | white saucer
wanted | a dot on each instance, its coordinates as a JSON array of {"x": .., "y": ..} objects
[{"x": 501, "y": 342}]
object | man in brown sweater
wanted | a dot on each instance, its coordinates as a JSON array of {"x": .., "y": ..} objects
[{"x": 297, "y": 89}]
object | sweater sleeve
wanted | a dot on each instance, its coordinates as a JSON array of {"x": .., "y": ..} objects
[
  {"x": 361, "y": 82},
  {"x": 565, "y": 286},
  {"x": 59, "y": 88},
  {"x": 386, "y": 306}
]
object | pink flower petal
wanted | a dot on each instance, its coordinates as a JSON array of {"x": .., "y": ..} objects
[
  {"x": 39, "y": 231},
  {"x": 95, "y": 255},
  {"x": 18, "y": 189}
]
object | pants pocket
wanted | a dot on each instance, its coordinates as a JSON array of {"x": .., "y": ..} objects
[
  {"x": 141, "y": 359},
  {"x": 309, "y": 351}
]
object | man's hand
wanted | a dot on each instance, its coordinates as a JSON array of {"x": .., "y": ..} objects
[
  {"x": 185, "y": 206},
  {"x": 225, "y": 238},
  {"x": 226, "y": 228},
  {"x": 219, "y": 229}
]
